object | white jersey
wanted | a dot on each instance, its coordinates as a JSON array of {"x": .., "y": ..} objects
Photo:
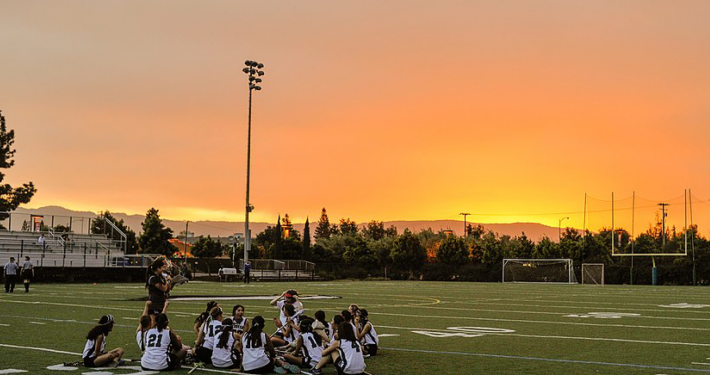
[
  {"x": 351, "y": 356},
  {"x": 210, "y": 329},
  {"x": 239, "y": 325},
  {"x": 254, "y": 357},
  {"x": 370, "y": 337},
  {"x": 157, "y": 348},
  {"x": 90, "y": 348},
  {"x": 224, "y": 357},
  {"x": 293, "y": 334},
  {"x": 312, "y": 352},
  {"x": 297, "y": 311}
]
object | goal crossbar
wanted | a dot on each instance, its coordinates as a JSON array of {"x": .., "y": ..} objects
[{"x": 567, "y": 278}]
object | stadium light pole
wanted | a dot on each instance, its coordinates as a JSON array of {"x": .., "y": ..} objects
[
  {"x": 254, "y": 70},
  {"x": 464, "y": 222},
  {"x": 559, "y": 228}
]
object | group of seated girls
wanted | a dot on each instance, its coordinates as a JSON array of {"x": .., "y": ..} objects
[{"x": 235, "y": 342}]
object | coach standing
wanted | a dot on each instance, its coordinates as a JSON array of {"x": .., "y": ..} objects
[{"x": 10, "y": 275}]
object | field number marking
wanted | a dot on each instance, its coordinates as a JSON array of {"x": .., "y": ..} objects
[
  {"x": 603, "y": 315},
  {"x": 465, "y": 332},
  {"x": 685, "y": 306}
]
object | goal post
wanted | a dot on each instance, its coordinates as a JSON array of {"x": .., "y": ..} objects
[
  {"x": 593, "y": 273},
  {"x": 538, "y": 271}
]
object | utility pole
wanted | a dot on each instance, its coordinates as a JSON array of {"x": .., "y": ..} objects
[
  {"x": 663, "y": 221},
  {"x": 464, "y": 222},
  {"x": 187, "y": 223}
]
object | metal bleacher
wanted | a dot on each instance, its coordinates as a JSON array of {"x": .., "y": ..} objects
[{"x": 66, "y": 250}]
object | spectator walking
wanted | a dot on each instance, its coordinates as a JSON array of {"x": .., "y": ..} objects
[
  {"x": 11, "y": 269},
  {"x": 247, "y": 271}
]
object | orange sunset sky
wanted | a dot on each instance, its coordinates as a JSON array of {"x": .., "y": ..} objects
[{"x": 384, "y": 110}]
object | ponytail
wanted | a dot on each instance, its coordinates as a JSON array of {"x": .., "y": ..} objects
[
  {"x": 161, "y": 322},
  {"x": 225, "y": 333},
  {"x": 254, "y": 335}
]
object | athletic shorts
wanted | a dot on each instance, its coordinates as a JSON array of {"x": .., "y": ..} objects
[
  {"x": 371, "y": 349},
  {"x": 173, "y": 364},
  {"x": 268, "y": 369},
  {"x": 27, "y": 275},
  {"x": 89, "y": 362},
  {"x": 204, "y": 355}
]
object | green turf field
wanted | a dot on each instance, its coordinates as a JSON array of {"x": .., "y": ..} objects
[{"x": 426, "y": 327}]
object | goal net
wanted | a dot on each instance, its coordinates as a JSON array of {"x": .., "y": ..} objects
[
  {"x": 593, "y": 273},
  {"x": 538, "y": 271}
]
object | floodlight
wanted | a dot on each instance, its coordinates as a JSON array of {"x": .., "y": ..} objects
[
  {"x": 247, "y": 63},
  {"x": 257, "y": 80},
  {"x": 260, "y": 66},
  {"x": 261, "y": 73},
  {"x": 257, "y": 87},
  {"x": 254, "y": 63},
  {"x": 245, "y": 70}
]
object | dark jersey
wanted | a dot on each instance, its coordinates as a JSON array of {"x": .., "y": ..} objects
[{"x": 156, "y": 295}]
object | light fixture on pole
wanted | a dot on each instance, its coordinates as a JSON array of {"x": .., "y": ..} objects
[
  {"x": 559, "y": 228},
  {"x": 254, "y": 70},
  {"x": 464, "y": 222}
]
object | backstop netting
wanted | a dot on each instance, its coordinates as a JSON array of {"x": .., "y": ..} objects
[
  {"x": 538, "y": 271},
  {"x": 593, "y": 273}
]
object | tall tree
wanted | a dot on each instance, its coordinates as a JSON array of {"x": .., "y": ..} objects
[
  {"x": 10, "y": 198},
  {"x": 155, "y": 237},
  {"x": 453, "y": 250},
  {"x": 348, "y": 226},
  {"x": 374, "y": 230},
  {"x": 323, "y": 228},
  {"x": 408, "y": 252},
  {"x": 307, "y": 253}
]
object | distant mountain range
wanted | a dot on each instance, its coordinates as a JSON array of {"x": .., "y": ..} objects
[{"x": 534, "y": 231}]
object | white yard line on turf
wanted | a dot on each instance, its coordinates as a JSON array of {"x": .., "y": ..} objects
[
  {"x": 501, "y": 356},
  {"x": 12, "y": 371},
  {"x": 39, "y": 349},
  {"x": 560, "y": 337},
  {"x": 540, "y": 322}
]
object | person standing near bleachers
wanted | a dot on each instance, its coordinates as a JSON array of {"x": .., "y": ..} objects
[
  {"x": 28, "y": 272},
  {"x": 10, "y": 269}
]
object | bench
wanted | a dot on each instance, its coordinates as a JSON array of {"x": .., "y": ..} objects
[{"x": 226, "y": 273}]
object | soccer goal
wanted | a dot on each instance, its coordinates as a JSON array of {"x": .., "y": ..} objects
[
  {"x": 593, "y": 273},
  {"x": 538, "y": 271}
]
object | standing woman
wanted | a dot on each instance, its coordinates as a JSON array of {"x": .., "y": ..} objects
[
  {"x": 241, "y": 324},
  {"x": 224, "y": 354},
  {"x": 158, "y": 284},
  {"x": 345, "y": 353},
  {"x": 254, "y": 346},
  {"x": 93, "y": 354},
  {"x": 163, "y": 351},
  {"x": 28, "y": 272}
]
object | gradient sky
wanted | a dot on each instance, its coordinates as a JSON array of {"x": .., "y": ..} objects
[{"x": 384, "y": 110}]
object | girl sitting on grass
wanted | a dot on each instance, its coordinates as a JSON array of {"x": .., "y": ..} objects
[{"x": 93, "y": 354}]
